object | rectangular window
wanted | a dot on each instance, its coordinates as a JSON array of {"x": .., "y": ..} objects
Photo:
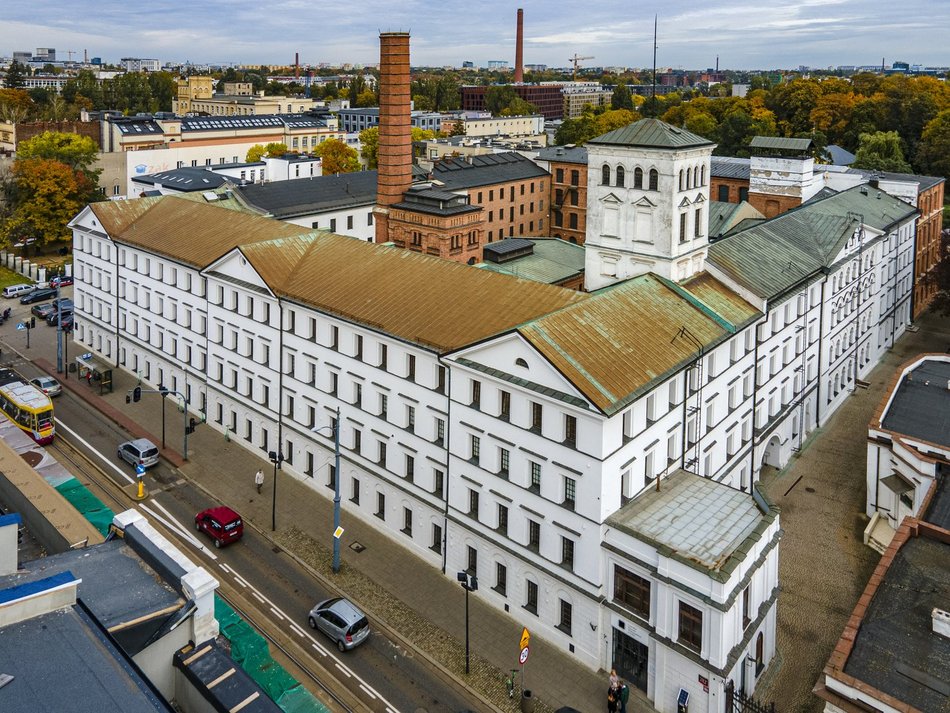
[
  {"x": 383, "y": 406},
  {"x": 502, "y": 519},
  {"x": 382, "y": 453},
  {"x": 381, "y": 506},
  {"x": 570, "y": 431},
  {"x": 476, "y": 444},
  {"x": 535, "y": 484},
  {"x": 439, "y": 431},
  {"x": 564, "y": 623},
  {"x": 534, "y": 535},
  {"x": 682, "y": 227},
  {"x": 355, "y": 492},
  {"x": 536, "y": 413},
  {"x": 567, "y": 553},
  {"x": 383, "y": 355},
  {"x": 503, "y": 461},
  {"x": 407, "y": 522},
  {"x": 531, "y": 598},
  {"x": 632, "y": 591},
  {"x": 436, "y": 539},
  {"x": 472, "y": 561},
  {"x": 410, "y": 468},
  {"x": 505, "y": 411},
  {"x": 473, "y": 503},
  {"x": 332, "y": 225},
  {"x": 359, "y": 347},
  {"x": 334, "y": 338},
  {"x": 411, "y": 367},
  {"x": 357, "y": 440},
  {"x": 410, "y": 419},
  {"x": 440, "y": 382},
  {"x": 438, "y": 479},
  {"x": 690, "y": 627},
  {"x": 357, "y": 395},
  {"x": 746, "y": 609},
  {"x": 570, "y": 492},
  {"x": 501, "y": 579},
  {"x": 476, "y": 393}
]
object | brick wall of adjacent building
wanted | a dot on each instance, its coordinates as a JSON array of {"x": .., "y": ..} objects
[
  {"x": 728, "y": 190},
  {"x": 568, "y": 199},
  {"x": 927, "y": 248},
  {"x": 546, "y": 97},
  {"x": 458, "y": 237},
  {"x": 771, "y": 205},
  {"x": 514, "y": 208}
]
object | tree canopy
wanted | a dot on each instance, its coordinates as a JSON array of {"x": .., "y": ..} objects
[
  {"x": 337, "y": 157},
  {"x": 881, "y": 151},
  {"x": 933, "y": 151},
  {"x": 369, "y": 143},
  {"x": 258, "y": 152}
]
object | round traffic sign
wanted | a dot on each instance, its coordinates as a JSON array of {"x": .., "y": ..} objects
[{"x": 523, "y": 656}]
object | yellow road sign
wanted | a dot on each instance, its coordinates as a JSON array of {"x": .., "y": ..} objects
[{"x": 525, "y": 638}]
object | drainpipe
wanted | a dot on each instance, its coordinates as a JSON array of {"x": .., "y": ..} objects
[
  {"x": 755, "y": 393},
  {"x": 280, "y": 387},
  {"x": 821, "y": 342},
  {"x": 117, "y": 337},
  {"x": 448, "y": 465}
]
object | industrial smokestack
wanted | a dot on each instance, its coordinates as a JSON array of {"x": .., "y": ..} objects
[
  {"x": 519, "y": 49},
  {"x": 296, "y": 65},
  {"x": 395, "y": 138}
]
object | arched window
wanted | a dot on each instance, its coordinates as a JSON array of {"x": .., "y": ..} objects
[
  {"x": 689, "y": 179},
  {"x": 605, "y": 175},
  {"x": 521, "y": 362},
  {"x": 696, "y": 176},
  {"x": 620, "y": 176},
  {"x": 759, "y": 654},
  {"x": 654, "y": 180},
  {"x": 702, "y": 176},
  {"x": 638, "y": 177},
  {"x": 682, "y": 184}
]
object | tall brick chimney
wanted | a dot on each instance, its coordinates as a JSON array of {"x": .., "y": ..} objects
[
  {"x": 519, "y": 50},
  {"x": 395, "y": 137}
]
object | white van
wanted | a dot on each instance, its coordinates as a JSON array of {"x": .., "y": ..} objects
[{"x": 17, "y": 290}]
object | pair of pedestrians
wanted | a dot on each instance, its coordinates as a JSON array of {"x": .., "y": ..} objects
[{"x": 617, "y": 694}]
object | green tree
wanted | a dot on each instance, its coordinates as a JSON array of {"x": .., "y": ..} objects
[
  {"x": 357, "y": 87},
  {"x": 881, "y": 151},
  {"x": 258, "y": 152},
  {"x": 939, "y": 278},
  {"x": 164, "y": 89},
  {"x": 77, "y": 152},
  {"x": 498, "y": 97},
  {"x": 519, "y": 107},
  {"x": 621, "y": 98},
  {"x": 15, "y": 105},
  {"x": 132, "y": 93},
  {"x": 933, "y": 151},
  {"x": 366, "y": 98},
  {"x": 369, "y": 146},
  {"x": 337, "y": 157},
  {"x": 255, "y": 153},
  {"x": 15, "y": 75}
]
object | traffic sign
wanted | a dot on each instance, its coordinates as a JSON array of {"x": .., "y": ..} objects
[
  {"x": 523, "y": 656},
  {"x": 525, "y": 638},
  {"x": 338, "y": 533},
  {"x": 139, "y": 469},
  {"x": 20, "y": 326}
]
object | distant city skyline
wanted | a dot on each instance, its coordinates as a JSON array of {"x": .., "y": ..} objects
[{"x": 744, "y": 35}]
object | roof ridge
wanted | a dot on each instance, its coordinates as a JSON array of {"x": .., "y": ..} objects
[{"x": 698, "y": 304}]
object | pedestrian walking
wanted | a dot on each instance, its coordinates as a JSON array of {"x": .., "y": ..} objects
[
  {"x": 259, "y": 479},
  {"x": 611, "y": 701}
]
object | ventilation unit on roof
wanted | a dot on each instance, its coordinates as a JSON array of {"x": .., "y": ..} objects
[
  {"x": 864, "y": 190},
  {"x": 210, "y": 196}
]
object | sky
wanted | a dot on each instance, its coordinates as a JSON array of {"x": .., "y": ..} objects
[{"x": 742, "y": 33}]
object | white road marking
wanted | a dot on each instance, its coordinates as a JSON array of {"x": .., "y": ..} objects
[
  {"x": 177, "y": 528},
  {"x": 240, "y": 581},
  {"x": 297, "y": 630},
  {"x": 227, "y": 569},
  {"x": 320, "y": 649},
  {"x": 368, "y": 692},
  {"x": 344, "y": 670},
  {"x": 278, "y": 614},
  {"x": 73, "y": 434},
  {"x": 257, "y": 596}
]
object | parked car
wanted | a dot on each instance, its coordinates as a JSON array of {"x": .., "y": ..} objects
[
  {"x": 48, "y": 385},
  {"x": 340, "y": 620},
  {"x": 141, "y": 451},
  {"x": 18, "y": 290},
  {"x": 44, "y": 311},
  {"x": 68, "y": 322},
  {"x": 38, "y": 296},
  {"x": 61, "y": 281},
  {"x": 221, "y": 523},
  {"x": 52, "y": 318}
]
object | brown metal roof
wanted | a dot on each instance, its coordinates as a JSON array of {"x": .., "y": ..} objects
[
  {"x": 721, "y": 299},
  {"x": 116, "y": 216},
  {"x": 615, "y": 344},
  {"x": 426, "y": 300},
  {"x": 188, "y": 231}
]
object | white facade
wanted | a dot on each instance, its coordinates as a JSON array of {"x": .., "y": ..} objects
[
  {"x": 356, "y": 221},
  {"x": 646, "y": 212}
]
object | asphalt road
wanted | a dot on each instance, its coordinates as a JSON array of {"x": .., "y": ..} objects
[{"x": 383, "y": 676}]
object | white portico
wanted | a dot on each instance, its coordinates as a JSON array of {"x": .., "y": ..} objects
[{"x": 647, "y": 203}]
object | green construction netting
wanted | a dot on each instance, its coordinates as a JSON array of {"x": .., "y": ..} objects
[
  {"x": 88, "y": 505},
  {"x": 250, "y": 651}
]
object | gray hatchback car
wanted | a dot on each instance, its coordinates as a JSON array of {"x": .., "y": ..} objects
[
  {"x": 141, "y": 451},
  {"x": 341, "y": 621}
]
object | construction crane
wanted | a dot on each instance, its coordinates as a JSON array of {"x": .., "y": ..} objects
[
  {"x": 70, "y": 53},
  {"x": 575, "y": 59}
]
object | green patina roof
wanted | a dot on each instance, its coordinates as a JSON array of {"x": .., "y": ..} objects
[
  {"x": 780, "y": 143},
  {"x": 772, "y": 256},
  {"x": 553, "y": 261},
  {"x": 651, "y": 133}
]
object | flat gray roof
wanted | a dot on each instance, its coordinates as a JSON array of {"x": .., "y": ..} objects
[
  {"x": 696, "y": 520},
  {"x": 63, "y": 662},
  {"x": 895, "y": 649},
  {"x": 921, "y": 405}
]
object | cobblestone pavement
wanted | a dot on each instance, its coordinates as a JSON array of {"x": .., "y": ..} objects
[{"x": 823, "y": 563}]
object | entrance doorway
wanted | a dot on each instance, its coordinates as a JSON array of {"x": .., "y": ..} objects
[{"x": 631, "y": 659}]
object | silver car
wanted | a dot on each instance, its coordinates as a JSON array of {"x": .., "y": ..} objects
[
  {"x": 341, "y": 621},
  {"x": 48, "y": 385},
  {"x": 141, "y": 452}
]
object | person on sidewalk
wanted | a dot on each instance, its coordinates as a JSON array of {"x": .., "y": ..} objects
[
  {"x": 623, "y": 696},
  {"x": 259, "y": 479},
  {"x": 614, "y": 680},
  {"x": 611, "y": 700}
]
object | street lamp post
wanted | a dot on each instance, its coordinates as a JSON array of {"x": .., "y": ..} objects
[
  {"x": 336, "y": 488},
  {"x": 469, "y": 584},
  {"x": 276, "y": 457}
]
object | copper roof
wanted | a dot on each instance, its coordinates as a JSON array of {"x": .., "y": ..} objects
[
  {"x": 426, "y": 300},
  {"x": 614, "y": 345},
  {"x": 721, "y": 299},
  {"x": 188, "y": 231}
]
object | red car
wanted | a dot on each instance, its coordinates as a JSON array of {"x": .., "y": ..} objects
[{"x": 221, "y": 523}]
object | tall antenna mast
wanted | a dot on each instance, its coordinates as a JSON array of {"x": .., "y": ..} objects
[{"x": 654, "y": 64}]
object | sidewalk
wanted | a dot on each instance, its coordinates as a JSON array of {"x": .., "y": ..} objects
[{"x": 423, "y": 607}]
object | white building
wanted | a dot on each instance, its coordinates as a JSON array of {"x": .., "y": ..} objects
[
  {"x": 532, "y": 440},
  {"x": 136, "y": 64}
]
